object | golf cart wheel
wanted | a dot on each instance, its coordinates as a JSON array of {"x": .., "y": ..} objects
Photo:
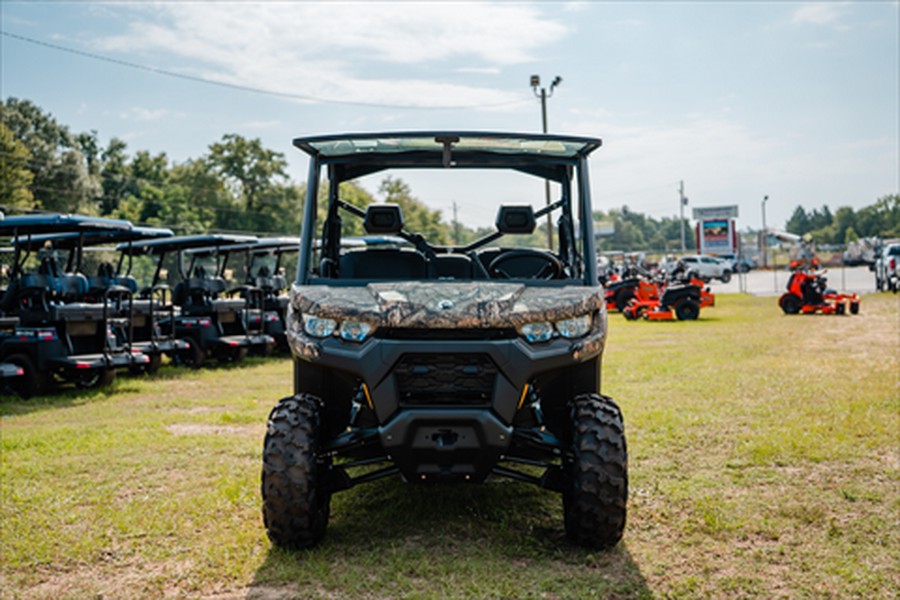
[
  {"x": 594, "y": 503},
  {"x": 231, "y": 355},
  {"x": 854, "y": 308},
  {"x": 96, "y": 378},
  {"x": 150, "y": 368},
  {"x": 154, "y": 364},
  {"x": 726, "y": 276},
  {"x": 790, "y": 304},
  {"x": 194, "y": 356},
  {"x": 295, "y": 499},
  {"x": 32, "y": 382},
  {"x": 687, "y": 310},
  {"x": 266, "y": 350}
]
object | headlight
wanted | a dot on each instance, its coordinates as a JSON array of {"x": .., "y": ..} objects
[
  {"x": 575, "y": 327},
  {"x": 354, "y": 331},
  {"x": 537, "y": 332},
  {"x": 543, "y": 331},
  {"x": 318, "y": 326}
]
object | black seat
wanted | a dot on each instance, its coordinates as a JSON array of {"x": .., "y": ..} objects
[
  {"x": 452, "y": 266},
  {"x": 383, "y": 263}
]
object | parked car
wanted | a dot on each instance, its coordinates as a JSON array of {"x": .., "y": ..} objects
[
  {"x": 707, "y": 267},
  {"x": 739, "y": 263},
  {"x": 887, "y": 269}
]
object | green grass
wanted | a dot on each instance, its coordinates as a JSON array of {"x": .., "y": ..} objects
[{"x": 763, "y": 463}]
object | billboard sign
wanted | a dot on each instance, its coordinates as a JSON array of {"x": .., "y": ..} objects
[
  {"x": 716, "y": 236},
  {"x": 715, "y": 212}
]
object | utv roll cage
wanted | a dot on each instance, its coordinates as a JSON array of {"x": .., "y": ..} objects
[{"x": 348, "y": 157}]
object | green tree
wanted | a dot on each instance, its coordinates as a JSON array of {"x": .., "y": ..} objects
[
  {"x": 115, "y": 176},
  {"x": 417, "y": 215},
  {"x": 15, "y": 177},
  {"x": 62, "y": 181},
  {"x": 799, "y": 223},
  {"x": 249, "y": 169},
  {"x": 844, "y": 219},
  {"x": 194, "y": 198}
]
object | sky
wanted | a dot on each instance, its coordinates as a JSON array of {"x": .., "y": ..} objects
[{"x": 797, "y": 101}]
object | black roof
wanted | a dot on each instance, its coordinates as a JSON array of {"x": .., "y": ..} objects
[
  {"x": 434, "y": 142},
  {"x": 358, "y": 154},
  {"x": 260, "y": 246},
  {"x": 21, "y": 225},
  {"x": 184, "y": 242},
  {"x": 91, "y": 237}
]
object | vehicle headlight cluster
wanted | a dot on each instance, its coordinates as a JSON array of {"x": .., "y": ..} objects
[
  {"x": 349, "y": 330},
  {"x": 542, "y": 331}
]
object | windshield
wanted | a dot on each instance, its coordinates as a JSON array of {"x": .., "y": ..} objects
[{"x": 475, "y": 225}]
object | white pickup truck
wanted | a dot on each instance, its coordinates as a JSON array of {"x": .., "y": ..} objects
[{"x": 887, "y": 269}]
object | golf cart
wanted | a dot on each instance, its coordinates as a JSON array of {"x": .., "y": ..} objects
[
  {"x": 52, "y": 329},
  {"x": 263, "y": 269},
  {"x": 149, "y": 314},
  {"x": 440, "y": 362},
  {"x": 216, "y": 322}
]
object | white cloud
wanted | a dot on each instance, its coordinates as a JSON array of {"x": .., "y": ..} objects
[
  {"x": 139, "y": 113},
  {"x": 819, "y": 13},
  {"x": 478, "y": 70},
  {"x": 355, "y": 52},
  {"x": 261, "y": 124}
]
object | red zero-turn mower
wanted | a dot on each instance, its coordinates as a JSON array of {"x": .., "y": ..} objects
[
  {"x": 807, "y": 293},
  {"x": 681, "y": 299}
]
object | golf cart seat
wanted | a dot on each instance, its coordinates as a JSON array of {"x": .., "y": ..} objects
[
  {"x": 271, "y": 283},
  {"x": 106, "y": 277}
]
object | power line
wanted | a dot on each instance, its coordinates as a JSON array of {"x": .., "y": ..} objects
[{"x": 246, "y": 88}]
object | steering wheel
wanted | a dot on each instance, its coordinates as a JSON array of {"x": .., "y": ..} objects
[{"x": 551, "y": 270}]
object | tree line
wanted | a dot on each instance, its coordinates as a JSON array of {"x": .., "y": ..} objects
[
  {"x": 846, "y": 225},
  {"x": 240, "y": 186}
]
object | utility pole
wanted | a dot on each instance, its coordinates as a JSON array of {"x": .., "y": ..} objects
[
  {"x": 682, "y": 202},
  {"x": 764, "y": 238},
  {"x": 456, "y": 226},
  {"x": 543, "y": 95}
]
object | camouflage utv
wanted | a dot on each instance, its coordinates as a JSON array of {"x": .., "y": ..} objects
[{"x": 446, "y": 362}]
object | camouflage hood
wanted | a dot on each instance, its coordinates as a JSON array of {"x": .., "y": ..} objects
[{"x": 446, "y": 305}]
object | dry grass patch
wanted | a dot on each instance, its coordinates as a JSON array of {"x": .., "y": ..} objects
[{"x": 763, "y": 458}]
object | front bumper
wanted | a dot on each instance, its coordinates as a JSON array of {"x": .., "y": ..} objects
[{"x": 445, "y": 408}]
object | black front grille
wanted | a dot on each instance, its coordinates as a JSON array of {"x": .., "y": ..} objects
[
  {"x": 445, "y": 379},
  {"x": 403, "y": 333}
]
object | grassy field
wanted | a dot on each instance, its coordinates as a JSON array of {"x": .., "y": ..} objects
[{"x": 764, "y": 457}]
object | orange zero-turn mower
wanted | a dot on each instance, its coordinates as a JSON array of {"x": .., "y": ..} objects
[
  {"x": 680, "y": 300},
  {"x": 807, "y": 293}
]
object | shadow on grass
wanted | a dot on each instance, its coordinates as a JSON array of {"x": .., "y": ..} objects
[
  {"x": 67, "y": 394},
  {"x": 501, "y": 539}
]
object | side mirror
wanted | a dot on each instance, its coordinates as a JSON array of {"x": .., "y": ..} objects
[{"x": 516, "y": 219}]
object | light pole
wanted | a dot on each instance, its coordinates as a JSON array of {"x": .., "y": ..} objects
[
  {"x": 681, "y": 204},
  {"x": 543, "y": 95},
  {"x": 764, "y": 238}
]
